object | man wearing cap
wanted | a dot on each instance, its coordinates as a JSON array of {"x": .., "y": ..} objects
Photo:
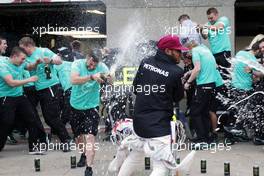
[
  {"x": 158, "y": 106},
  {"x": 153, "y": 111},
  {"x": 85, "y": 97}
]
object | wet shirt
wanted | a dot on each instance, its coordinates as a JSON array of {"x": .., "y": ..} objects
[
  {"x": 43, "y": 82},
  {"x": 7, "y": 68},
  {"x": 219, "y": 80},
  {"x": 157, "y": 86},
  {"x": 86, "y": 96},
  {"x": 26, "y": 75},
  {"x": 220, "y": 40},
  {"x": 3, "y": 58},
  {"x": 241, "y": 79},
  {"x": 64, "y": 74},
  {"x": 207, "y": 73}
]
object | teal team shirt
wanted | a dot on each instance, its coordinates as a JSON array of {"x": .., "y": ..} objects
[
  {"x": 219, "y": 80},
  {"x": 64, "y": 74},
  {"x": 220, "y": 40},
  {"x": 7, "y": 68},
  {"x": 43, "y": 82},
  {"x": 207, "y": 73},
  {"x": 86, "y": 96},
  {"x": 3, "y": 58},
  {"x": 241, "y": 79},
  {"x": 26, "y": 75}
]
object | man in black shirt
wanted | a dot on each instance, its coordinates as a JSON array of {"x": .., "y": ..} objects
[
  {"x": 154, "y": 109},
  {"x": 157, "y": 86}
]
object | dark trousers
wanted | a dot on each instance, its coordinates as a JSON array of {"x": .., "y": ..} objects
[
  {"x": 66, "y": 110},
  {"x": 189, "y": 94},
  {"x": 49, "y": 99},
  {"x": 199, "y": 111},
  {"x": 11, "y": 107},
  {"x": 221, "y": 60},
  {"x": 31, "y": 94}
]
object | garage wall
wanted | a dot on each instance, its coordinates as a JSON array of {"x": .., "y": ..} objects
[{"x": 156, "y": 16}]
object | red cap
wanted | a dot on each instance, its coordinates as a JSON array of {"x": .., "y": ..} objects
[{"x": 171, "y": 42}]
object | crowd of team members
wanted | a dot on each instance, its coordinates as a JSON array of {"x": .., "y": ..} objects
[
  {"x": 199, "y": 68},
  {"x": 69, "y": 91}
]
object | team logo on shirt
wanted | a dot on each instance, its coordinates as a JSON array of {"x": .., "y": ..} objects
[{"x": 156, "y": 70}]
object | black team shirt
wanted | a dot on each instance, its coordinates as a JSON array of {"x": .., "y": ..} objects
[{"x": 157, "y": 86}]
